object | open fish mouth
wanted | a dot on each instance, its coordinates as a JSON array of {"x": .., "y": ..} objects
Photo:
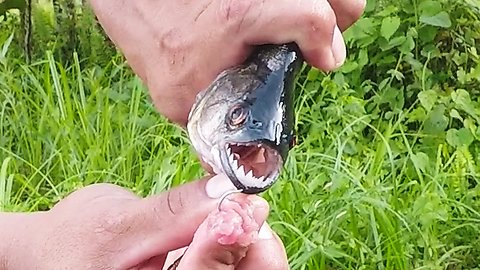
[{"x": 252, "y": 167}]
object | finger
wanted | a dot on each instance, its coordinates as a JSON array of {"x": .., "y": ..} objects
[
  {"x": 347, "y": 11},
  {"x": 267, "y": 253},
  {"x": 93, "y": 194},
  {"x": 167, "y": 221},
  {"x": 309, "y": 23},
  {"x": 206, "y": 166},
  {"x": 225, "y": 236}
]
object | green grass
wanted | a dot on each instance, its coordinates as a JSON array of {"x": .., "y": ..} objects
[
  {"x": 385, "y": 174},
  {"x": 64, "y": 128}
]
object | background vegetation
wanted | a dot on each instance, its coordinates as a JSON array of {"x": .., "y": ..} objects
[{"x": 386, "y": 171}]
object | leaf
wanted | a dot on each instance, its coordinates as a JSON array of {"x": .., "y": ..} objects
[
  {"x": 428, "y": 207},
  {"x": 420, "y": 160},
  {"x": 441, "y": 19},
  {"x": 316, "y": 182},
  {"x": 417, "y": 114},
  {"x": 338, "y": 181},
  {"x": 427, "y": 33},
  {"x": 462, "y": 76},
  {"x": 334, "y": 252},
  {"x": 452, "y": 137},
  {"x": 394, "y": 42},
  {"x": 387, "y": 11},
  {"x": 465, "y": 137},
  {"x": 464, "y": 103},
  {"x": 313, "y": 74},
  {"x": 349, "y": 66},
  {"x": 362, "y": 59},
  {"x": 5, "y": 47},
  {"x": 429, "y": 7},
  {"x": 397, "y": 74},
  {"x": 370, "y": 5},
  {"x": 4, "y": 179},
  {"x": 455, "y": 114},
  {"x": 389, "y": 27},
  {"x": 427, "y": 99},
  {"x": 364, "y": 32},
  {"x": 436, "y": 121},
  {"x": 413, "y": 62},
  {"x": 408, "y": 45},
  {"x": 457, "y": 138}
]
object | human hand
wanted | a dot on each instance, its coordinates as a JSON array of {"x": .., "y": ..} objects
[
  {"x": 107, "y": 227},
  {"x": 179, "y": 47}
]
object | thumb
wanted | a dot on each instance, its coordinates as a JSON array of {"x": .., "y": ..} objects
[
  {"x": 223, "y": 239},
  {"x": 168, "y": 221}
]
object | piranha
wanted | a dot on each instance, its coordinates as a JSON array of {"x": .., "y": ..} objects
[{"x": 242, "y": 125}]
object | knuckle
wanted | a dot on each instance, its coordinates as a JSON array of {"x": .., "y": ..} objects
[
  {"x": 113, "y": 223},
  {"x": 320, "y": 16},
  {"x": 318, "y": 21},
  {"x": 325, "y": 16},
  {"x": 175, "y": 45},
  {"x": 170, "y": 39}
]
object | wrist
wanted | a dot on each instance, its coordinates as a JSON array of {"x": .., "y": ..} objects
[{"x": 17, "y": 237}]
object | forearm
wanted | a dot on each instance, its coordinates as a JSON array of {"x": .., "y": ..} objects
[{"x": 16, "y": 237}]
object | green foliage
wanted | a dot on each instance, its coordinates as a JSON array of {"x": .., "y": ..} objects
[
  {"x": 64, "y": 128},
  {"x": 394, "y": 183},
  {"x": 7, "y": 5},
  {"x": 62, "y": 26},
  {"x": 386, "y": 171}
]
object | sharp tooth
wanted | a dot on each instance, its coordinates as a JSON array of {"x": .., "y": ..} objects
[
  {"x": 234, "y": 163},
  {"x": 250, "y": 174},
  {"x": 261, "y": 178},
  {"x": 241, "y": 169},
  {"x": 230, "y": 157}
]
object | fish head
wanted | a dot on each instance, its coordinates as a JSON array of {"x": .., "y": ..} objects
[{"x": 242, "y": 125}]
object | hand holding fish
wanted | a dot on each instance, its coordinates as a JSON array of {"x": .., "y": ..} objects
[{"x": 179, "y": 47}]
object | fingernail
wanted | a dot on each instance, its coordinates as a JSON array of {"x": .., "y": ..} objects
[
  {"x": 218, "y": 185},
  {"x": 339, "y": 50},
  {"x": 265, "y": 232}
]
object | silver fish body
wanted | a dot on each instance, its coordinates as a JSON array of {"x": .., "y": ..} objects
[{"x": 242, "y": 125}]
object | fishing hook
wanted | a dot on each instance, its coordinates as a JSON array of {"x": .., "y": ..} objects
[
  {"x": 225, "y": 195},
  {"x": 175, "y": 264}
]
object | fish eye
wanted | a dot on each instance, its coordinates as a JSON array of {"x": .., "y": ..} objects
[{"x": 237, "y": 115}]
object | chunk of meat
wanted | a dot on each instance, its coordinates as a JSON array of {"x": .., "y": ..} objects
[
  {"x": 234, "y": 223},
  {"x": 226, "y": 233}
]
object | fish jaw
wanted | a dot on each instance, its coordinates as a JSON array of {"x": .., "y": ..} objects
[
  {"x": 264, "y": 84},
  {"x": 252, "y": 167}
]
